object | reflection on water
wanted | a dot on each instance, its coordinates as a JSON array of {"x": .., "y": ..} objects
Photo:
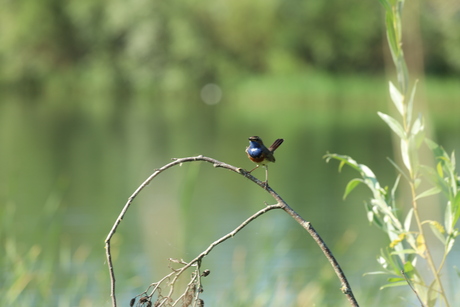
[{"x": 68, "y": 167}]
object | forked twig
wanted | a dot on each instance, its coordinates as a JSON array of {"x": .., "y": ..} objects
[{"x": 281, "y": 204}]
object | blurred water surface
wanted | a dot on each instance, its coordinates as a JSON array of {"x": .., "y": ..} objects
[{"x": 68, "y": 165}]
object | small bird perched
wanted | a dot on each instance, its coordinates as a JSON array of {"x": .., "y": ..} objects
[{"x": 258, "y": 153}]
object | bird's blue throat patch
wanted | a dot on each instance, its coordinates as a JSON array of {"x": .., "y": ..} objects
[{"x": 255, "y": 150}]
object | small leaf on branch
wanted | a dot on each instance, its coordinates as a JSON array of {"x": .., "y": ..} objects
[
  {"x": 393, "y": 124},
  {"x": 429, "y": 192},
  {"x": 408, "y": 219},
  {"x": 411, "y": 103},
  {"x": 351, "y": 185},
  {"x": 395, "y": 284},
  {"x": 405, "y": 154},
  {"x": 397, "y": 98}
]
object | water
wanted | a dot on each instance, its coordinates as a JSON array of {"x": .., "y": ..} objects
[{"x": 69, "y": 166}]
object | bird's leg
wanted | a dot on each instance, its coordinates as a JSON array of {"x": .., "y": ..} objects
[
  {"x": 254, "y": 168},
  {"x": 266, "y": 176}
]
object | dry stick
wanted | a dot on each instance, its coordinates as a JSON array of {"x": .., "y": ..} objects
[
  {"x": 346, "y": 289},
  {"x": 219, "y": 241}
]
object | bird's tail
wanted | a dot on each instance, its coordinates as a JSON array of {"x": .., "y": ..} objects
[{"x": 276, "y": 144}]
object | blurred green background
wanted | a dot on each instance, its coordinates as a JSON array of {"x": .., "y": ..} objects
[{"x": 97, "y": 94}]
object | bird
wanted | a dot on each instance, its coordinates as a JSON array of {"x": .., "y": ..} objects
[{"x": 261, "y": 155}]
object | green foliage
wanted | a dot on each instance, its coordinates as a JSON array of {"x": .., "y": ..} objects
[
  {"x": 37, "y": 273},
  {"x": 408, "y": 244},
  {"x": 174, "y": 44},
  {"x": 399, "y": 258}
]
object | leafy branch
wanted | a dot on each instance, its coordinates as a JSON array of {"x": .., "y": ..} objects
[{"x": 407, "y": 242}]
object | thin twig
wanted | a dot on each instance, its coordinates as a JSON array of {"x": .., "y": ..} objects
[
  {"x": 346, "y": 289},
  {"x": 219, "y": 241},
  {"x": 412, "y": 287}
]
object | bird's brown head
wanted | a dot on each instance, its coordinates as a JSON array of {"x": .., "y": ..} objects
[{"x": 255, "y": 139}]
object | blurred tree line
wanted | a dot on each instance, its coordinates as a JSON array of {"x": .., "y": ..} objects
[{"x": 79, "y": 44}]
